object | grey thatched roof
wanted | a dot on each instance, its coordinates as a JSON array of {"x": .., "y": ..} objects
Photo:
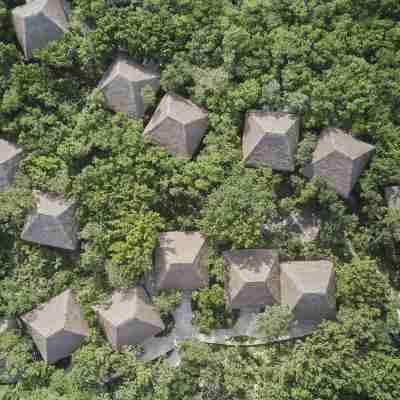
[
  {"x": 10, "y": 156},
  {"x": 130, "y": 319},
  {"x": 392, "y": 195},
  {"x": 178, "y": 125},
  {"x": 340, "y": 159},
  {"x": 58, "y": 327},
  {"x": 308, "y": 288},
  {"x": 270, "y": 139},
  {"x": 52, "y": 223},
  {"x": 253, "y": 278},
  {"x": 180, "y": 261},
  {"x": 123, "y": 86},
  {"x": 38, "y": 23}
]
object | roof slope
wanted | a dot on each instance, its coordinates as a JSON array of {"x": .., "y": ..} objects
[
  {"x": 57, "y": 327},
  {"x": 123, "y": 86},
  {"x": 38, "y": 23},
  {"x": 308, "y": 288},
  {"x": 10, "y": 156},
  {"x": 130, "y": 319},
  {"x": 270, "y": 139},
  {"x": 178, "y": 125},
  {"x": 180, "y": 261},
  {"x": 52, "y": 223},
  {"x": 253, "y": 278},
  {"x": 339, "y": 159}
]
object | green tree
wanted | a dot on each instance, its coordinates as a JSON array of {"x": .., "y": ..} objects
[
  {"x": 274, "y": 322},
  {"x": 234, "y": 213}
]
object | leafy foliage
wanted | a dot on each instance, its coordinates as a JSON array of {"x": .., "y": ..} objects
[
  {"x": 166, "y": 302},
  {"x": 335, "y": 62},
  {"x": 274, "y": 322},
  {"x": 235, "y": 212}
]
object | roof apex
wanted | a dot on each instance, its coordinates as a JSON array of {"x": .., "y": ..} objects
[
  {"x": 273, "y": 122},
  {"x": 309, "y": 276},
  {"x": 334, "y": 139}
]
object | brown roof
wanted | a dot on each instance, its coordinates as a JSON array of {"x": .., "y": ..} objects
[
  {"x": 340, "y": 159},
  {"x": 253, "y": 278},
  {"x": 178, "y": 125},
  {"x": 335, "y": 139},
  {"x": 130, "y": 319},
  {"x": 308, "y": 288},
  {"x": 180, "y": 261},
  {"x": 270, "y": 139},
  {"x": 58, "y": 327}
]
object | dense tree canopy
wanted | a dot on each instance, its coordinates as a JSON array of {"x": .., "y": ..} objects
[{"x": 334, "y": 62}]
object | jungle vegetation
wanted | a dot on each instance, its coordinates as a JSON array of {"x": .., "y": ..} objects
[{"x": 335, "y": 62}]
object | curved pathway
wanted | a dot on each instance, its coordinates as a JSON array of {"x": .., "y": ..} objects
[{"x": 184, "y": 329}]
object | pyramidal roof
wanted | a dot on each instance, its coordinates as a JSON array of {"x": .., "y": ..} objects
[
  {"x": 333, "y": 139},
  {"x": 176, "y": 107},
  {"x": 129, "y": 70},
  {"x": 60, "y": 313},
  {"x": 130, "y": 318},
  {"x": 58, "y": 327},
  {"x": 52, "y": 223},
  {"x": 179, "y": 261},
  {"x": 39, "y": 22},
  {"x": 339, "y": 159},
  {"x": 278, "y": 123},
  {"x": 270, "y": 139},
  {"x": 308, "y": 289},
  {"x": 309, "y": 276},
  {"x": 253, "y": 278},
  {"x": 52, "y": 206},
  {"x": 181, "y": 247},
  {"x": 130, "y": 304},
  {"x": 252, "y": 264},
  {"x": 178, "y": 125},
  {"x": 183, "y": 110},
  {"x": 123, "y": 86}
]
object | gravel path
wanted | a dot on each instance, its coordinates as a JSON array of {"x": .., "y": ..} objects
[
  {"x": 184, "y": 329},
  {"x": 183, "y": 316}
]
